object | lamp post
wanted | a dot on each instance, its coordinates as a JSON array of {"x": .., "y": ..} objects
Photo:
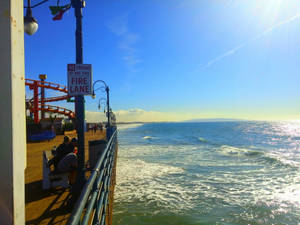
[
  {"x": 79, "y": 100},
  {"x": 107, "y": 103}
]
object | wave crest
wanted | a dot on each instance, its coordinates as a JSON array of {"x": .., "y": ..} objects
[
  {"x": 258, "y": 155},
  {"x": 148, "y": 138}
]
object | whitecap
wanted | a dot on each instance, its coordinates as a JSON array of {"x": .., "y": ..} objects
[
  {"x": 147, "y": 137},
  {"x": 230, "y": 150}
]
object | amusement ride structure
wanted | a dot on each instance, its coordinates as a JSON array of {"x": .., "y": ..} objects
[{"x": 37, "y": 104}]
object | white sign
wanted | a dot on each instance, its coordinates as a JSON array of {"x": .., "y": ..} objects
[{"x": 79, "y": 79}]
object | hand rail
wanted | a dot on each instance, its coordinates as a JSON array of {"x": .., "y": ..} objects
[{"x": 95, "y": 193}]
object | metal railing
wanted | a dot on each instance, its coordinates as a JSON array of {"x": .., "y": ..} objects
[{"x": 92, "y": 205}]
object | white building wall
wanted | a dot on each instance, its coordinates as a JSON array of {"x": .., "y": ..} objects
[{"x": 12, "y": 113}]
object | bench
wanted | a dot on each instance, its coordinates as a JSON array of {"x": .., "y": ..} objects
[{"x": 52, "y": 178}]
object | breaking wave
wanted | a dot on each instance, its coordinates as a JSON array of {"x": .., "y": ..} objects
[
  {"x": 257, "y": 155},
  {"x": 151, "y": 183},
  {"x": 147, "y": 138}
]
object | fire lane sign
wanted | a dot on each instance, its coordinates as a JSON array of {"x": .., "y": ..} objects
[{"x": 79, "y": 79}]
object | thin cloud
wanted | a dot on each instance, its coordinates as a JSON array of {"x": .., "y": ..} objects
[
  {"x": 128, "y": 40},
  {"x": 228, "y": 53},
  {"x": 289, "y": 20},
  {"x": 134, "y": 115},
  {"x": 257, "y": 37}
]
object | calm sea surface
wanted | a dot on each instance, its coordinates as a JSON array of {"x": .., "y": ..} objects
[{"x": 208, "y": 173}]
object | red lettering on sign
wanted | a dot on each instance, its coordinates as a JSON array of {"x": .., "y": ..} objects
[
  {"x": 79, "y": 80},
  {"x": 79, "y": 89},
  {"x": 71, "y": 67}
]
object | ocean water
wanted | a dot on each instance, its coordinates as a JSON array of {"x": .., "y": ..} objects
[{"x": 231, "y": 173}]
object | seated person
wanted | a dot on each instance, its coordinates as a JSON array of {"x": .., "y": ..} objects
[
  {"x": 69, "y": 162},
  {"x": 72, "y": 147},
  {"x": 59, "y": 153},
  {"x": 63, "y": 150},
  {"x": 67, "y": 156}
]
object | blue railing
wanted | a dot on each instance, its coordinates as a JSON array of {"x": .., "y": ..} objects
[{"x": 92, "y": 205}]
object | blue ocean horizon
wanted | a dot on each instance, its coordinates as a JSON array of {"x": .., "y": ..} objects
[{"x": 230, "y": 172}]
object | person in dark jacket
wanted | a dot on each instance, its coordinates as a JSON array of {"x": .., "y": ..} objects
[
  {"x": 60, "y": 152},
  {"x": 69, "y": 160}
]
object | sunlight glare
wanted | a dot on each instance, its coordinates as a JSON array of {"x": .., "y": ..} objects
[{"x": 269, "y": 10}]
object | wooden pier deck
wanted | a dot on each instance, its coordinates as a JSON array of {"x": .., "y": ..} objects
[{"x": 48, "y": 206}]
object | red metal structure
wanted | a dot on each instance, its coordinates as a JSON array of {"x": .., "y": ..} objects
[{"x": 39, "y": 103}]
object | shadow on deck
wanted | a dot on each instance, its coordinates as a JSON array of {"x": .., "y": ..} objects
[{"x": 56, "y": 208}]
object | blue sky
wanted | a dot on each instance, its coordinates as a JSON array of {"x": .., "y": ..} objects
[{"x": 179, "y": 60}]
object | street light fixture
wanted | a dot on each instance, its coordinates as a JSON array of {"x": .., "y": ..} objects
[
  {"x": 99, "y": 104},
  {"x": 107, "y": 103},
  {"x": 30, "y": 23},
  {"x": 106, "y": 90}
]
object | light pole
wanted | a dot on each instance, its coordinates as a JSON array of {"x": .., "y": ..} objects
[
  {"x": 107, "y": 103},
  {"x": 79, "y": 100}
]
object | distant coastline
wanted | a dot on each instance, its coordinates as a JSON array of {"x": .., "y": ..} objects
[
  {"x": 119, "y": 123},
  {"x": 207, "y": 121},
  {"x": 187, "y": 121}
]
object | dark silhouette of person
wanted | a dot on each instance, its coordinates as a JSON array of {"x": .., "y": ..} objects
[{"x": 59, "y": 153}]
